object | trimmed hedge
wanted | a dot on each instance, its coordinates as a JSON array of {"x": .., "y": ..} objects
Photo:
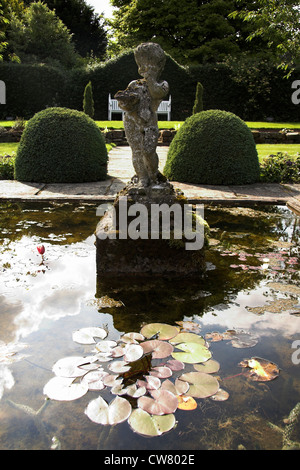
[
  {"x": 61, "y": 145},
  {"x": 252, "y": 89},
  {"x": 31, "y": 88},
  {"x": 213, "y": 147}
]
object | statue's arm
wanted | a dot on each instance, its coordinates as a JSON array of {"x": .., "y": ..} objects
[{"x": 158, "y": 90}]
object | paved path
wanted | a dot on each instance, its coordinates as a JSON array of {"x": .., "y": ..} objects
[{"x": 120, "y": 171}]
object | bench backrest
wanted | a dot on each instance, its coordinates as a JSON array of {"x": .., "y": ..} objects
[{"x": 113, "y": 107}]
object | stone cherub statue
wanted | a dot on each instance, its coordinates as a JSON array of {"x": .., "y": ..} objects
[{"x": 140, "y": 101}]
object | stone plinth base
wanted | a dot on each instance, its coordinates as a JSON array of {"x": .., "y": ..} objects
[{"x": 118, "y": 254}]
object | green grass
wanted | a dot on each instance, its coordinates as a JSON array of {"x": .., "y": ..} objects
[
  {"x": 273, "y": 125},
  {"x": 8, "y": 148},
  {"x": 173, "y": 124},
  {"x": 264, "y": 150}
]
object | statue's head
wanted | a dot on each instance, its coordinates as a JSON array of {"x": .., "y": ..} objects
[{"x": 150, "y": 58}]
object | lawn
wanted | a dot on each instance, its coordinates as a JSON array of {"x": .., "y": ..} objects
[
  {"x": 263, "y": 149},
  {"x": 174, "y": 124}
]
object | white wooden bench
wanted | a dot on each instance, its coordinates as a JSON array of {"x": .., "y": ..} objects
[{"x": 113, "y": 107}]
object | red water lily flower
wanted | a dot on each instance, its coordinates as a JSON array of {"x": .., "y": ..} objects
[{"x": 41, "y": 249}]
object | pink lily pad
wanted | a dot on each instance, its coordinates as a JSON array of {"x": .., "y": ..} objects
[
  {"x": 163, "y": 402},
  {"x": 159, "y": 349}
]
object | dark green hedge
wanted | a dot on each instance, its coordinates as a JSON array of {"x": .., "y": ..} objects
[
  {"x": 61, "y": 145},
  {"x": 213, "y": 147},
  {"x": 31, "y": 88},
  {"x": 252, "y": 89}
]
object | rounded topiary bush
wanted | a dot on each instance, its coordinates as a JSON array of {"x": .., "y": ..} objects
[
  {"x": 213, "y": 147},
  {"x": 61, "y": 145}
]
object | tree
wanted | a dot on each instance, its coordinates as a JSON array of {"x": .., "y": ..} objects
[
  {"x": 86, "y": 26},
  {"x": 191, "y": 31},
  {"x": 7, "y": 9},
  {"x": 88, "y": 102},
  {"x": 41, "y": 36},
  {"x": 198, "y": 104},
  {"x": 278, "y": 23}
]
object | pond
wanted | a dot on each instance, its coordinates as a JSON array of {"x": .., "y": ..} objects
[{"x": 251, "y": 286}]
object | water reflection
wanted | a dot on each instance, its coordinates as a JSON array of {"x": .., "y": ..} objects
[{"x": 42, "y": 303}]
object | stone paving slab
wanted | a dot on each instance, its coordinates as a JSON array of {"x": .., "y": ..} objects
[{"x": 120, "y": 171}]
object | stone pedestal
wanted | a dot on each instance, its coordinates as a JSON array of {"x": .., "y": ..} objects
[{"x": 132, "y": 240}]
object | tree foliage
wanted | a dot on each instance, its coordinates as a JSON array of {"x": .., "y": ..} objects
[
  {"x": 198, "y": 104},
  {"x": 8, "y": 8},
  {"x": 278, "y": 23},
  {"x": 40, "y": 36},
  {"x": 86, "y": 26},
  {"x": 191, "y": 31},
  {"x": 88, "y": 101}
]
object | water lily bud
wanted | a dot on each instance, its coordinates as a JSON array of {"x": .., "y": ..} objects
[{"x": 41, "y": 249}]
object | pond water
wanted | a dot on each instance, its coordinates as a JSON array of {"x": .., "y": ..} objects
[{"x": 251, "y": 285}]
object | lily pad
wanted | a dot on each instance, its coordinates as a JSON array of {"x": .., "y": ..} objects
[
  {"x": 162, "y": 330},
  {"x": 192, "y": 353},
  {"x": 69, "y": 366},
  {"x": 151, "y": 383},
  {"x": 178, "y": 388},
  {"x": 244, "y": 340},
  {"x": 94, "y": 379},
  {"x": 143, "y": 423},
  {"x": 103, "y": 357},
  {"x": 116, "y": 412},
  {"x": 159, "y": 349},
  {"x": 174, "y": 365},
  {"x": 259, "y": 369},
  {"x": 161, "y": 372},
  {"x": 112, "y": 380},
  {"x": 132, "y": 337},
  {"x": 119, "y": 367},
  {"x": 63, "y": 389},
  {"x": 214, "y": 336},
  {"x": 163, "y": 402},
  {"x": 132, "y": 352},
  {"x": 105, "y": 346},
  {"x": 221, "y": 395},
  {"x": 201, "y": 385},
  {"x": 118, "y": 351},
  {"x": 209, "y": 367},
  {"x": 135, "y": 392},
  {"x": 88, "y": 335},
  {"x": 186, "y": 403},
  {"x": 189, "y": 326},
  {"x": 187, "y": 338}
]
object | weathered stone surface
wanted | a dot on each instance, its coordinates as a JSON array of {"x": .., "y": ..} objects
[
  {"x": 140, "y": 101},
  {"x": 118, "y": 255}
]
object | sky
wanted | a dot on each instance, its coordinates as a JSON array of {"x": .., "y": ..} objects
[{"x": 101, "y": 6}]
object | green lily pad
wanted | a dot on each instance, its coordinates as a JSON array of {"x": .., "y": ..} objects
[
  {"x": 192, "y": 353},
  {"x": 163, "y": 331},
  {"x": 187, "y": 338},
  {"x": 201, "y": 385},
  {"x": 209, "y": 367},
  {"x": 143, "y": 423}
]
